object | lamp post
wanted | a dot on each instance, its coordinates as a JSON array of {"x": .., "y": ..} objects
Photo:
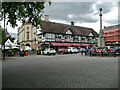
[{"x": 4, "y": 39}]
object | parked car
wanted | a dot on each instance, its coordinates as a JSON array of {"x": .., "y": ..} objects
[
  {"x": 72, "y": 50},
  {"x": 49, "y": 51},
  {"x": 116, "y": 49},
  {"x": 62, "y": 51},
  {"x": 111, "y": 50}
]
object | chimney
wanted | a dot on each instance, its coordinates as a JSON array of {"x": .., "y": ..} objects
[
  {"x": 104, "y": 27},
  {"x": 72, "y": 23},
  {"x": 47, "y": 18}
]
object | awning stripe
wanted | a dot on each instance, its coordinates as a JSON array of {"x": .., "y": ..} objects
[
  {"x": 76, "y": 44},
  {"x": 38, "y": 44},
  {"x": 66, "y": 44},
  {"x": 56, "y": 44},
  {"x": 85, "y": 44}
]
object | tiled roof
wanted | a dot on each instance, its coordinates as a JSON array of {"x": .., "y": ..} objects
[{"x": 62, "y": 28}]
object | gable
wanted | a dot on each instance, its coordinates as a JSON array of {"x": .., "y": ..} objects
[
  {"x": 39, "y": 30},
  {"x": 9, "y": 43},
  {"x": 69, "y": 32},
  {"x": 91, "y": 34}
]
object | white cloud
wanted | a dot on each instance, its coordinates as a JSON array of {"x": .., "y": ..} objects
[
  {"x": 94, "y": 26},
  {"x": 9, "y": 28},
  {"x": 111, "y": 16}
]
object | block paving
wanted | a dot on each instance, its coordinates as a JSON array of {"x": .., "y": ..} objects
[{"x": 60, "y": 71}]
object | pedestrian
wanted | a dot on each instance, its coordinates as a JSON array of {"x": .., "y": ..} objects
[
  {"x": 85, "y": 53},
  {"x": 82, "y": 52},
  {"x": 90, "y": 53},
  {"x": 102, "y": 53},
  {"x": 114, "y": 54}
]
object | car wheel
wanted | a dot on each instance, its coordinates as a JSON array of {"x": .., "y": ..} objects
[
  {"x": 70, "y": 52},
  {"x": 47, "y": 53}
]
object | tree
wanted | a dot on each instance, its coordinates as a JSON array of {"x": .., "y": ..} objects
[
  {"x": 2, "y": 31},
  {"x": 23, "y": 11}
]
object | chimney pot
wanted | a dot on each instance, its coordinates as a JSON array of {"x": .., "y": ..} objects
[
  {"x": 72, "y": 23},
  {"x": 46, "y": 17}
]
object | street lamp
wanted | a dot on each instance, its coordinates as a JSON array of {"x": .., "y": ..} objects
[{"x": 4, "y": 38}]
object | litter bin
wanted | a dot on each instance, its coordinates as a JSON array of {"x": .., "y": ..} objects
[
  {"x": 39, "y": 52},
  {"x": 26, "y": 53}
]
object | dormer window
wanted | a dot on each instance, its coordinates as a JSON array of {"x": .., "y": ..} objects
[
  {"x": 69, "y": 32},
  {"x": 91, "y": 35}
]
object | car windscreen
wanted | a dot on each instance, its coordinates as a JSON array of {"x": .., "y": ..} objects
[{"x": 52, "y": 49}]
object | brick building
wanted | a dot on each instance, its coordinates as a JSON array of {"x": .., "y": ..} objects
[{"x": 112, "y": 35}]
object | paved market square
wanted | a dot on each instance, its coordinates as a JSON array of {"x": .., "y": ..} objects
[{"x": 60, "y": 71}]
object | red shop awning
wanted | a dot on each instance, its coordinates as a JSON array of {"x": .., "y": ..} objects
[
  {"x": 56, "y": 44},
  {"x": 66, "y": 44},
  {"x": 76, "y": 44},
  {"x": 85, "y": 44},
  {"x": 38, "y": 44}
]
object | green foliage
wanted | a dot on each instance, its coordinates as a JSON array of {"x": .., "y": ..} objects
[
  {"x": 23, "y": 11},
  {"x": 9, "y": 37},
  {"x": 2, "y": 32}
]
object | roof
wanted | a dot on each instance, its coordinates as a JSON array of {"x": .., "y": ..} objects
[
  {"x": 62, "y": 28},
  {"x": 8, "y": 43},
  {"x": 111, "y": 27}
]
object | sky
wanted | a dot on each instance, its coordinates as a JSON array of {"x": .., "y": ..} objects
[{"x": 85, "y": 14}]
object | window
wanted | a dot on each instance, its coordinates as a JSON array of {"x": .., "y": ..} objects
[
  {"x": 27, "y": 28},
  {"x": 53, "y": 35},
  {"x": 27, "y": 35},
  {"x": 65, "y": 37}
]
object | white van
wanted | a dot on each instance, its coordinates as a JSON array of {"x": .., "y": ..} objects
[{"x": 72, "y": 50}]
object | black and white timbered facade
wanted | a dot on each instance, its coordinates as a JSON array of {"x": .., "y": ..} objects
[{"x": 61, "y": 35}]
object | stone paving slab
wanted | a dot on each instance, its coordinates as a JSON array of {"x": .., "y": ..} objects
[{"x": 60, "y": 71}]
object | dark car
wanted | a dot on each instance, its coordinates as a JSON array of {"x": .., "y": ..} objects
[
  {"x": 62, "y": 51},
  {"x": 117, "y": 50}
]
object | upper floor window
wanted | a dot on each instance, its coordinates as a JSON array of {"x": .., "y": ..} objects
[
  {"x": 27, "y": 35},
  {"x": 27, "y": 28}
]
